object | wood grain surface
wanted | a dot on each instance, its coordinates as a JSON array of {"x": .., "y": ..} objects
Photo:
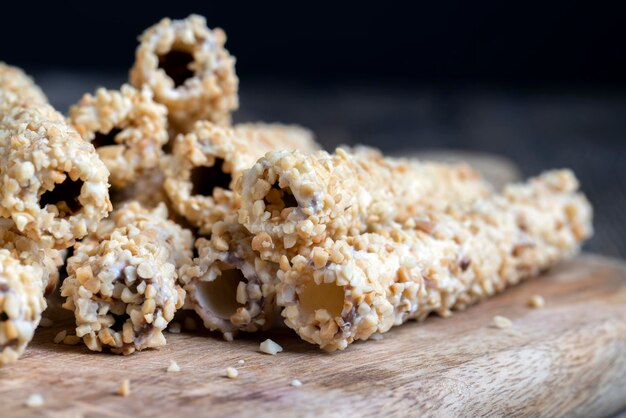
[{"x": 567, "y": 358}]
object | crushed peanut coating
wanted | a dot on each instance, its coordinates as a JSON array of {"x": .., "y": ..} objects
[
  {"x": 21, "y": 305},
  {"x": 207, "y": 162},
  {"x": 17, "y": 88},
  {"x": 292, "y": 202},
  {"x": 127, "y": 128},
  {"x": 52, "y": 183},
  {"x": 187, "y": 67},
  {"x": 434, "y": 263},
  {"x": 122, "y": 280},
  {"x": 228, "y": 285}
]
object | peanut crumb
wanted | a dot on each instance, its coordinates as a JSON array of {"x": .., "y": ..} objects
[
  {"x": 296, "y": 383},
  {"x": 231, "y": 373},
  {"x": 536, "y": 301},
  {"x": 228, "y": 336},
  {"x": 34, "y": 401},
  {"x": 377, "y": 337},
  {"x": 173, "y": 367},
  {"x": 174, "y": 328},
  {"x": 71, "y": 340},
  {"x": 45, "y": 322},
  {"x": 124, "y": 389},
  {"x": 270, "y": 347},
  {"x": 60, "y": 336},
  {"x": 241, "y": 362},
  {"x": 501, "y": 322}
]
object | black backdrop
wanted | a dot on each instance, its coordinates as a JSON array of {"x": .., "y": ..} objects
[{"x": 554, "y": 42}]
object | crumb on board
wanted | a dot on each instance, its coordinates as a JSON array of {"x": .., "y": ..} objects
[
  {"x": 296, "y": 383},
  {"x": 228, "y": 336},
  {"x": 241, "y": 362},
  {"x": 536, "y": 301},
  {"x": 270, "y": 347},
  {"x": 71, "y": 340},
  {"x": 60, "y": 336},
  {"x": 174, "y": 328},
  {"x": 34, "y": 401},
  {"x": 173, "y": 367},
  {"x": 124, "y": 389},
  {"x": 231, "y": 373},
  {"x": 377, "y": 337},
  {"x": 46, "y": 322},
  {"x": 501, "y": 322}
]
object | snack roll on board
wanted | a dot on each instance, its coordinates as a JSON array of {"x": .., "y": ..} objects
[
  {"x": 291, "y": 201},
  {"x": 345, "y": 290},
  {"x": 127, "y": 128},
  {"x": 28, "y": 272},
  {"x": 21, "y": 304},
  {"x": 52, "y": 183},
  {"x": 187, "y": 67},
  {"x": 228, "y": 285},
  {"x": 206, "y": 163},
  {"x": 122, "y": 281}
]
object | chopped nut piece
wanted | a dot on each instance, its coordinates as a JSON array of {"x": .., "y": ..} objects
[
  {"x": 242, "y": 362},
  {"x": 231, "y": 373},
  {"x": 270, "y": 347},
  {"x": 60, "y": 336},
  {"x": 296, "y": 383},
  {"x": 536, "y": 301},
  {"x": 45, "y": 322},
  {"x": 71, "y": 340},
  {"x": 377, "y": 337},
  {"x": 501, "y": 322},
  {"x": 174, "y": 328},
  {"x": 228, "y": 336},
  {"x": 124, "y": 389},
  {"x": 34, "y": 401},
  {"x": 173, "y": 367}
]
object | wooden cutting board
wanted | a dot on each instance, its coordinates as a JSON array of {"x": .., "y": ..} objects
[{"x": 567, "y": 358}]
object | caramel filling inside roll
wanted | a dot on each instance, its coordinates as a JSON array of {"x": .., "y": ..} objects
[
  {"x": 64, "y": 196},
  {"x": 204, "y": 179},
  {"x": 176, "y": 65}
]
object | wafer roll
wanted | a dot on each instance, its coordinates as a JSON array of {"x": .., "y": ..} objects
[
  {"x": 346, "y": 290},
  {"x": 228, "y": 285},
  {"x": 122, "y": 280},
  {"x": 291, "y": 201},
  {"x": 189, "y": 70},
  {"x": 52, "y": 183},
  {"x": 21, "y": 305},
  {"x": 127, "y": 128},
  {"x": 207, "y": 162}
]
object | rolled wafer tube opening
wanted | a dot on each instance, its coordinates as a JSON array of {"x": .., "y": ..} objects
[
  {"x": 176, "y": 65},
  {"x": 105, "y": 139},
  {"x": 280, "y": 198},
  {"x": 220, "y": 295},
  {"x": 328, "y": 296},
  {"x": 64, "y": 196},
  {"x": 205, "y": 179}
]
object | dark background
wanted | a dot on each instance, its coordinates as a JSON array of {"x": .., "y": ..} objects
[{"x": 541, "y": 84}]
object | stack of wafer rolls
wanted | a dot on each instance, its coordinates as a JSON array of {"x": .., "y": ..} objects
[{"x": 122, "y": 282}]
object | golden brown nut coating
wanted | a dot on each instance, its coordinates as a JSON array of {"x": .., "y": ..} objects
[
  {"x": 18, "y": 88},
  {"x": 127, "y": 128},
  {"x": 189, "y": 70}
]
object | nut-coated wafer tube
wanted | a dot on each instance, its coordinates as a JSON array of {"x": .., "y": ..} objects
[
  {"x": 206, "y": 163},
  {"x": 291, "y": 200},
  {"x": 122, "y": 281},
  {"x": 186, "y": 65},
  {"x": 346, "y": 290},
  {"x": 17, "y": 88},
  {"x": 52, "y": 183},
  {"x": 21, "y": 305},
  {"x": 228, "y": 285},
  {"x": 127, "y": 128}
]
